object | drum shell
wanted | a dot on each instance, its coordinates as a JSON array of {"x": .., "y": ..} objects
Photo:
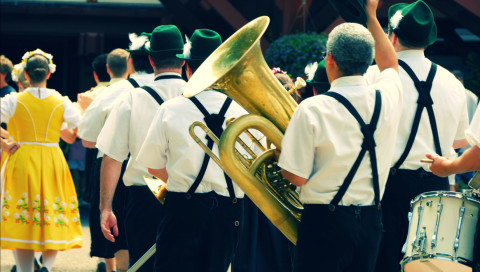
[{"x": 446, "y": 220}]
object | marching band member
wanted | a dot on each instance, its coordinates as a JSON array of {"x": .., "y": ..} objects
[
  {"x": 434, "y": 117},
  {"x": 93, "y": 119},
  {"x": 203, "y": 207},
  {"x": 121, "y": 137},
  {"x": 328, "y": 134}
]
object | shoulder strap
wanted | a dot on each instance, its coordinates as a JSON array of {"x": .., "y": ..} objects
[
  {"x": 368, "y": 144},
  {"x": 154, "y": 94},
  {"x": 133, "y": 82},
  {"x": 424, "y": 101},
  {"x": 216, "y": 127}
]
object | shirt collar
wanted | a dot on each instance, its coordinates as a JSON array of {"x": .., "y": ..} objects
[
  {"x": 167, "y": 73},
  {"x": 410, "y": 54},
  {"x": 113, "y": 80},
  {"x": 348, "y": 81}
]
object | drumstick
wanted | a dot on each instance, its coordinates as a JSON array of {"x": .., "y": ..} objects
[{"x": 427, "y": 160}]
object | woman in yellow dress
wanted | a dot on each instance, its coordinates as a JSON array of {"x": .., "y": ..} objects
[{"x": 40, "y": 208}]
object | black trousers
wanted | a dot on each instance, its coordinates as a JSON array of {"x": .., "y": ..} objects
[
  {"x": 402, "y": 187},
  {"x": 346, "y": 239},
  {"x": 262, "y": 247},
  {"x": 100, "y": 246},
  {"x": 142, "y": 215},
  {"x": 199, "y": 233}
]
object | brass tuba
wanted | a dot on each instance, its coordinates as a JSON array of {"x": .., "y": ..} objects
[{"x": 237, "y": 68}]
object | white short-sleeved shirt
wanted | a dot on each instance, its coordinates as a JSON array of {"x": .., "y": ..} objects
[
  {"x": 71, "y": 114},
  {"x": 449, "y": 106},
  {"x": 127, "y": 125},
  {"x": 169, "y": 144},
  {"x": 96, "y": 114},
  {"x": 323, "y": 139},
  {"x": 473, "y": 132}
]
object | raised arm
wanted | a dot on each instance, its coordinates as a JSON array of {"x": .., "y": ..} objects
[{"x": 385, "y": 55}]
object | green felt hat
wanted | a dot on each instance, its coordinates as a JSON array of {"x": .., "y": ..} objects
[
  {"x": 352, "y": 11},
  {"x": 202, "y": 43},
  {"x": 319, "y": 79},
  {"x": 413, "y": 23},
  {"x": 166, "y": 40},
  {"x": 137, "y": 43}
]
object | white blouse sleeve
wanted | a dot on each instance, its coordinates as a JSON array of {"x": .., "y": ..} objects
[
  {"x": 8, "y": 106},
  {"x": 71, "y": 114}
]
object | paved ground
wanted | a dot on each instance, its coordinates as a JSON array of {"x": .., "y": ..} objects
[{"x": 74, "y": 260}]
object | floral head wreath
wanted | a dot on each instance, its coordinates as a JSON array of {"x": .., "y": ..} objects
[
  {"x": 52, "y": 67},
  {"x": 277, "y": 70},
  {"x": 17, "y": 70}
]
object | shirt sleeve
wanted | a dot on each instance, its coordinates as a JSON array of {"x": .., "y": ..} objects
[
  {"x": 92, "y": 121},
  {"x": 153, "y": 152},
  {"x": 463, "y": 124},
  {"x": 8, "y": 105},
  {"x": 113, "y": 139},
  {"x": 473, "y": 132},
  {"x": 71, "y": 114},
  {"x": 298, "y": 150}
]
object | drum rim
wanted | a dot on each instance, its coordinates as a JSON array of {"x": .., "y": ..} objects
[
  {"x": 429, "y": 194},
  {"x": 438, "y": 256}
]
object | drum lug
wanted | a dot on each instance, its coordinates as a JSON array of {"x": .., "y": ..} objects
[
  {"x": 416, "y": 241},
  {"x": 435, "y": 233},
  {"x": 459, "y": 227},
  {"x": 421, "y": 241}
]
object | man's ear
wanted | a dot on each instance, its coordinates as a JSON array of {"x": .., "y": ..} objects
[
  {"x": 48, "y": 75},
  {"x": 151, "y": 61}
]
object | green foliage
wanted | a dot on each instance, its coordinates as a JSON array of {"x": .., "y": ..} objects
[
  {"x": 472, "y": 82},
  {"x": 293, "y": 52}
]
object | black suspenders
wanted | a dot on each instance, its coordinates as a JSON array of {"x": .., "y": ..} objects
[
  {"x": 368, "y": 144},
  {"x": 424, "y": 101},
  {"x": 133, "y": 82},
  {"x": 151, "y": 91},
  {"x": 214, "y": 122}
]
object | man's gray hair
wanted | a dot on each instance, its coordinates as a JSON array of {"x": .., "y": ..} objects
[{"x": 352, "y": 48}]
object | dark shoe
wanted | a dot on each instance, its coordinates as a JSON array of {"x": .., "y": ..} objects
[
  {"x": 36, "y": 265},
  {"x": 14, "y": 269},
  {"x": 43, "y": 269},
  {"x": 101, "y": 267}
]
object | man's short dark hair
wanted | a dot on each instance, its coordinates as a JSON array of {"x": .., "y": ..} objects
[
  {"x": 117, "y": 62},
  {"x": 141, "y": 63},
  {"x": 162, "y": 62},
  {"x": 99, "y": 66}
]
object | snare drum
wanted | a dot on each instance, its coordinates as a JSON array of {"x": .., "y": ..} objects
[{"x": 441, "y": 232}]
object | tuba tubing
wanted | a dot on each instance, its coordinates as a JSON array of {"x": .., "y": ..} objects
[
  {"x": 245, "y": 178},
  {"x": 237, "y": 68}
]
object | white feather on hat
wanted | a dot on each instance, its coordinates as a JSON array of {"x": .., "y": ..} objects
[
  {"x": 310, "y": 70},
  {"x": 187, "y": 47},
  {"x": 395, "y": 19},
  {"x": 136, "y": 42}
]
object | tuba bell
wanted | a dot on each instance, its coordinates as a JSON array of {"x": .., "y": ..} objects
[{"x": 237, "y": 68}]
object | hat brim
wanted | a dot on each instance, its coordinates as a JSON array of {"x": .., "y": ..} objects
[
  {"x": 325, "y": 86},
  {"x": 166, "y": 53},
  {"x": 192, "y": 60},
  {"x": 137, "y": 52},
  {"x": 352, "y": 11}
]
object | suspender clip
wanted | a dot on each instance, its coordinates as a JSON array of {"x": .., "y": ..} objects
[
  {"x": 188, "y": 196},
  {"x": 379, "y": 206},
  {"x": 331, "y": 207}
]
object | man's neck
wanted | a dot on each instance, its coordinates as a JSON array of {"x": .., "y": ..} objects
[
  {"x": 168, "y": 70},
  {"x": 3, "y": 83}
]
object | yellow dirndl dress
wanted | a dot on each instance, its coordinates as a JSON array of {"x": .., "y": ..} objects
[{"x": 40, "y": 207}]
